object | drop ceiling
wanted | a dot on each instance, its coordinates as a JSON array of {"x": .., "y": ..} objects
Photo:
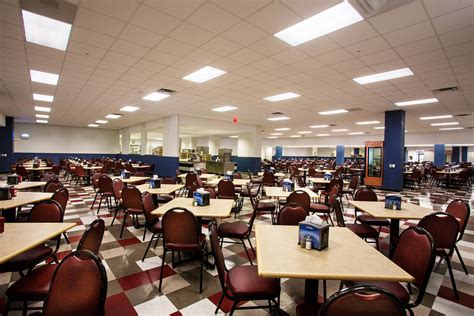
[{"x": 122, "y": 50}]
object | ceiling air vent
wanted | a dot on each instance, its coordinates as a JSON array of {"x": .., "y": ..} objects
[
  {"x": 167, "y": 91},
  {"x": 462, "y": 115},
  {"x": 370, "y": 8},
  {"x": 354, "y": 109},
  {"x": 277, "y": 113},
  {"x": 447, "y": 89}
]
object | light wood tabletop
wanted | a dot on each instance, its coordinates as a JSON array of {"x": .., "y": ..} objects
[
  {"x": 449, "y": 172},
  {"x": 217, "y": 208},
  {"x": 20, "y": 237},
  {"x": 39, "y": 168},
  {"x": 377, "y": 209},
  {"x": 26, "y": 184},
  {"x": 165, "y": 188},
  {"x": 136, "y": 166},
  {"x": 278, "y": 192},
  {"x": 323, "y": 181},
  {"x": 92, "y": 167},
  {"x": 23, "y": 198},
  {"x": 204, "y": 176},
  {"x": 133, "y": 179},
  {"x": 348, "y": 257},
  {"x": 237, "y": 182},
  {"x": 277, "y": 174}
]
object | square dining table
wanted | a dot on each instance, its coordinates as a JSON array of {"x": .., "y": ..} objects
[
  {"x": 347, "y": 257},
  {"x": 133, "y": 179},
  {"x": 277, "y": 174},
  {"x": 25, "y": 185},
  {"x": 236, "y": 182},
  {"x": 378, "y": 210},
  {"x": 164, "y": 189},
  {"x": 22, "y": 198},
  {"x": 277, "y": 192},
  {"x": 218, "y": 208}
]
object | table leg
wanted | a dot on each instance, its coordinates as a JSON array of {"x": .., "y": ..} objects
[
  {"x": 9, "y": 214},
  {"x": 304, "y": 177},
  {"x": 394, "y": 232},
  {"x": 310, "y": 304}
]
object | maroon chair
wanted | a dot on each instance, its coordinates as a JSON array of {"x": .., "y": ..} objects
[
  {"x": 80, "y": 175},
  {"x": 52, "y": 185},
  {"x": 268, "y": 179},
  {"x": 132, "y": 205},
  {"x": 242, "y": 283},
  {"x": 35, "y": 285},
  {"x": 366, "y": 194},
  {"x": 61, "y": 196},
  {"x": 152, "y": 222},
  {"x": 300, "y": 197},
  {"x": 364, "y": 231},
  {"x": 44, "y": 212},
  {"x": 56, "y": 169},
  {"x": 363, "y": 301},
  {"x": 292, "y": 214},
  {"x": 327, "y": 208},
  {"x": 106, "y": 190},
  {"x": 226, "y": 190},
  {"x": 461, "y": 211},
  {"x": 444, "y": 228},
  {"x": 351, "y": 189},
  {"x": 78, "y": 286},
  {"x": 21, "y": 171},
  {"x": 95, "y": 186},
  {"x": 182, "y": 233},
  {"x": 261, "y": 205},
  {"x": 415, "y": 253},
  {"x": 117, "y": 186},
  {"x": 240, "y": 231},
  {"x": 165, "y": 198}
]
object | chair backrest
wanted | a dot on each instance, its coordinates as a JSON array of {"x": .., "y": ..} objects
[
  {"x": 80, "y": 171},
  {"x": 128, "y": 167},
  {"x": 363, "y": 300},
  {"x": 218, "y": 255},
  {"x": 118, "y": 186},
  {"x": 300, "y": 197},
  {"x": 332, "y": 183},
  {"x": 92, "y": 237},
  {"x": 78, "y": 286},
  {"x": 191, "y": 178},
  {"x": 461, "y": 211},
  {"x": 292, "y": 214},
  {"x": 105, "y": 184},
  {"x": 333, "y": 194},
  {"x": 354, "y": 182},
  {"x": 56, "y": 169},
  {"x": 311, "y": 172},
  {"x": 61, "y": 196},
  {"x": 21, "y": 171},
  {"x": 95, "y": 179},
  {"x": 212, "y": 193},
  {"x": 148, "y": 207},
  {"x": 443, "y": 227},
  {"x": 415, "y": 254},
  {"x": 339, "y": 216},
  {"x": 365, "y": 194},
  {"x": 168, "y": 180},
  {"x": 180, "y": 227},
  {"x": 131, "y": 197},
  {"x": 46, "y": 211},
  {"x": 268, "y": 179},
  {"x": 237, "y": 175},
  {"x": 52, "y": 185},
  {"x": 225, "y": 189}
]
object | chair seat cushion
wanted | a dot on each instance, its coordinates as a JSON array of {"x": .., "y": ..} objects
[
  {"x": 135, "y": 210},
  {"x": 321, "y": 208},
  {"x": 27, "y": 259},
  {"x": 370, "y": 220},
  {"x": 188, "y": 247},
  {"x": 164, "y": 198},
  {"x": 34, "y": 286},
  {"x": 363, "y": 231},
  {"x": 268, "y": 206},
  {"x": 394, "y": 287},
  {"x": 244, "y": 282},
  {"x": 232, "y": 230},
  {"x": 157, "y": 228}
]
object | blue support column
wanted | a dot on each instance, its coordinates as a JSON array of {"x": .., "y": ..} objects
[
  {"x": 278, "y": 152},
  {"x": 406, "y": 153},
  {"x": 394, "y": 150},
  {"x": 339, "y": 155},
  {"x": 439, "y": 155},
  {"x": 455, "y": 154},
  {"x": 356, "y": 151},
  {"x": 464, "y": 153},
  {"x": 6, "y": 145}
]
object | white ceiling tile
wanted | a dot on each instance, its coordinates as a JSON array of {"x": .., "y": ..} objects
[
  {"x": 212, "y": 18},
  {"x": 202, "y": 56},
  {"x": 92, "y": 38},
  {"x": 177, "y": 8},
  {"x": 318, "y": 46},
  {"x": 242, "y": 8},
  {"x": 10, "y": 30},
  {"x": 348, "y": 65},
  {"x": 355, "y": 33},
  {"x": 455, "y": 20},
  {"x": 44, "y": 51},
  {"x": 266, "y": 64},
  {"x": 84, "y": 49},
  {"x": 422, "y": 46},
  {"x": 461, "y": 49},
  {"x": 113, "y": 66},
  {"x": 309, "y": 8},
  {"x": 140, "y": 36},
  {"x": 174, "y": 47},
  {"x": 307, "y": 64},
  {"x": 410, "y": 34},
  {"x": 400, "y": 17},
  {"x": 160, "y": 57},
  {"x": 379, "y": 57},
  {"x": 10, "y": 14},
  {"x": 244, "y": 34},
  {"x": 425, "y": 57},
  {"x": 290, "y": 56},
  {"x": 83, "y": 60},
  {"x": 457, "y": 37},
  {"x": 439, "y": 7},
  {"x": 191, "y": 34},
  {"x": 273, "y": 18},
  {"x": 334, "y": 56},
  {"x": 245, "y": 56},
  {"x": 227, "y": 64},
  {"x": 98, "y": 22},
  {"x": 269, "y": 46},
  {"x": 220, "y": 46},
  {"x": 370, "y": 46},
  {"x": 129, "y": 49},
  {"x": 154, "y": 20},
  {"x": 122, "y": 9}
]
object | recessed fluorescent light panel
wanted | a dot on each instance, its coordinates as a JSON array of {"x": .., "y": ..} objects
[
  {"x": 282, "y": 129},
  {"x": 204, "y": 74},
  {"x": 281, "y": 97},
  {"x": 278, "y": 118},
  {"x": 113, "y": 116},
  {"x": 101, "y": 122},
  {"x": 305, "y": 132},
  {"x": 156, "y": 96},
  {"x": 129, "y": 108},
  {"x": 356, "y": 133},
  {"x": 225, "y": 108},
  {"x": 451, "y": 128},
  {"x": 42, "y": 116},
  {"x": 44, "y": 77},
  {"x": 43, "y": 97},
  {"x": 318, "y": 126},
  {"x": 45, "y": 31},
  {"x": 325, "y": 22},
  {"x": 384, "y": 76},
  {"x": 42, "y": 109},
  {"x": 276, "y": 134},
  {"x": 416, "y": 102},
  {"x": 295, "y": 136},
  {"x": 272, "y": 137},
  {"x": 438, "y": 117},
  {"x": 93, "y": 125},
  {"x": 234, "y": 136},
  {"x": 444, "y": 124},
  {"x": 340, "y": 130},
  {"x": 379, "y": 127},
  {"x": 368, "y": 122},
  {"x": 42, "y": 121},
  {"x": 333, "y": 112},
  {"x": 322, "y": 135}
]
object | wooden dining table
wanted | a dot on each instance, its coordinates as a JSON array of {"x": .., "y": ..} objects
[
  {"x": 26, "y": 185},
  {"x": 133, "y": 179},
  {"x": 347, "y": 257},
  {"x": 218, "y": 208},
  {"x": 236, "y": 182},
  {"x": 163, "y": 189},
  {"x": 20, "y": 237},
  {"x": 277, "y": 174},
  {"x": 277, "y": 192},
  {"x": 378, "y": 210}
]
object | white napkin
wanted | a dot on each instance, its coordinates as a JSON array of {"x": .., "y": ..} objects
[{"x": 314, "y": 219}]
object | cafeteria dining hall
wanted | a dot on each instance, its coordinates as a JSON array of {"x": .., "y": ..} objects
[{"x": 237, "y": 157}]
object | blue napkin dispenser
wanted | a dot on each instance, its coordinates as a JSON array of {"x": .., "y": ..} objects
[
  {"x": 126, "y": 174},
  {"x": 202, "y": 198},
  {"x": 327, "y": 176},
  {"x": 155, "y": 183},
  {"x": 393, "y": 202},
  {"x": 319, "y": 234},
  {"x": 229, "y": 177},
  {"x": 288, "y": 186}
]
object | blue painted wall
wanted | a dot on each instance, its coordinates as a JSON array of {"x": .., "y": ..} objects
[
  {"x": 464, "y": 154},
  {"x": 6, "y": 145},
  {"x": 339, "y": 155},
  {"x": 455, "y": 154},
  {"x": 356, "y": 151},
  {"x": 394, "y": 150},
  {"x": 278, "y": 152},
  {"x": 439, "y": 155},
  {"x": 247, "y": 163}
]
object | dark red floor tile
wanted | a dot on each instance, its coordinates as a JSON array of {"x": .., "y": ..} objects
[
  {"x": 243, "y": 254},
  {"x": 119, "y": 304},
  {"x": 177, "y": 313},
  {"x": 144, "y": 277},
  {"x": 129, "y": 241},
  {"x": 226, "y": 303},
  {"x": 464, "y": 298}
]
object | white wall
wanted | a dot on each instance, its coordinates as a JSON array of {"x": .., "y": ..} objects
[
  {"x": 231, "y": 143},
  {"x": 298, "y": 151},
  {"x": 62, "y": 139}
]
